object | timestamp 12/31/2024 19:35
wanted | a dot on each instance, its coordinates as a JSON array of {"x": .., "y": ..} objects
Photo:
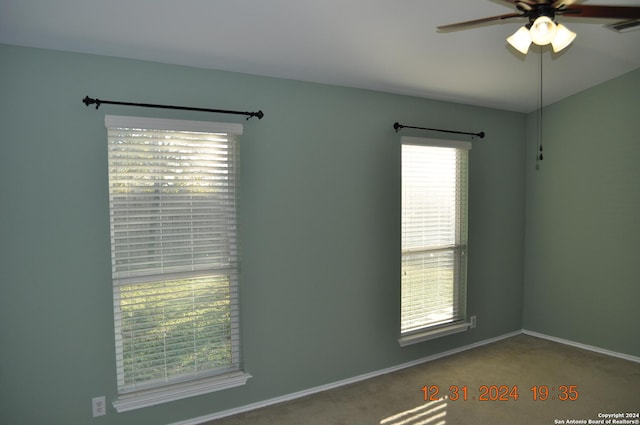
[{"x": 501, "y": 393}]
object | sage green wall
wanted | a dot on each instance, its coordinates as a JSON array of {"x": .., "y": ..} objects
[
  {"x": 319, "y": 230},
  {"x": 583, "y": 219}
]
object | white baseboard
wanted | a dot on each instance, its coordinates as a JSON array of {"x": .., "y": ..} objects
[
  {"x": 583, "y": 346},
  {"x": 314, "y": 390}
]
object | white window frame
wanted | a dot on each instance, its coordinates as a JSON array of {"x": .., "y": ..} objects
[
  {"x": 201, "y": 382},
  {"x": 457, "y": 247}
]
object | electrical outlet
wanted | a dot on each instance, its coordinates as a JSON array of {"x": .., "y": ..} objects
[
  {"x": 473, "y": 322},
  {"x": 99, "y": 406}
]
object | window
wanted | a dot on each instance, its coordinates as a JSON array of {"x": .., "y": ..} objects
[
  {"x": 172, "y": 198},
  {"x": 434, "y": 238}
]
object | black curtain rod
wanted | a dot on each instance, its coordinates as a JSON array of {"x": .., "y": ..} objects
[
  {"x": 90, "y": 101},
  {"x": 399, "y": 127}
]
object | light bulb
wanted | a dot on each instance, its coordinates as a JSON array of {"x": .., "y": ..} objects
[
  {"x": 543, "y": 31},
  {"x": 521, "y": 40},
  {"x": 564, "y": 37}
]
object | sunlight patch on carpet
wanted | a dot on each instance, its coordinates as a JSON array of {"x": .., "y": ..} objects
[{"x": 431, "y": 413}]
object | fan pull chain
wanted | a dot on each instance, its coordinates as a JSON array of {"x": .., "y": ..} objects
[
  {"x": 539, "y": 155},
  {"x": 541, "y": 105}
]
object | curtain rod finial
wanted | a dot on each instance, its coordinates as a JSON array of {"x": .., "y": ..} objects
[{"x": 89, "y": 101}]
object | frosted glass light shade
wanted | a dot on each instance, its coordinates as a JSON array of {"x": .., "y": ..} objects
[
  {"x": 564, "y": 37},
  {"x": 543, "y": 31},
  {"x": 520, "y": 40}
]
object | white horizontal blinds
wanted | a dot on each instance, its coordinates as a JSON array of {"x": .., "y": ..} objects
[
  {"x": 174, "y": 249},
  {"x": 434, "y": 232}
]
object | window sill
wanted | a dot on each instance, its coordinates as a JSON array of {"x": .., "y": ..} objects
[
  {"x": 426, "y": 335},
  {"x": 174, "y": 392}
]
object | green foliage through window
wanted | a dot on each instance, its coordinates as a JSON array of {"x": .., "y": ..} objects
[{"x": 175, "y": 328}]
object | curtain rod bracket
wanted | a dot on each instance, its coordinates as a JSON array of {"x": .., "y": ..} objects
[
  {"x": 397, "y": 126},
  {"x": 91, "y": 101}
]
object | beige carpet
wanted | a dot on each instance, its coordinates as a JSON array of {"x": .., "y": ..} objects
[{"x": 604, "y": 385}]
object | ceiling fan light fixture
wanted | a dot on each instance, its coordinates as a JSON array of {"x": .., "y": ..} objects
[
  {"x": 520, "y": 40},
  {"x": 564, "y": 37},
  {"x": 543, "y": 31}
]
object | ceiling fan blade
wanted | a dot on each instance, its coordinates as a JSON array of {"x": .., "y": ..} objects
[
  {"x": 531, "y": 2},
  {"x": 605, "y": 12},
  {"x": 522, "y": 5},
  {"x": 562, "y": 3},
  {"x": 462, "y": 25}
]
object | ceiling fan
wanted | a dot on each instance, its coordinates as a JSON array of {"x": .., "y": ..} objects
[{"x": 542, "y": 28}]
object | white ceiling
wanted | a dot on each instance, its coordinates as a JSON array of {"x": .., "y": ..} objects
[{"x": 385, "y": 45}]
